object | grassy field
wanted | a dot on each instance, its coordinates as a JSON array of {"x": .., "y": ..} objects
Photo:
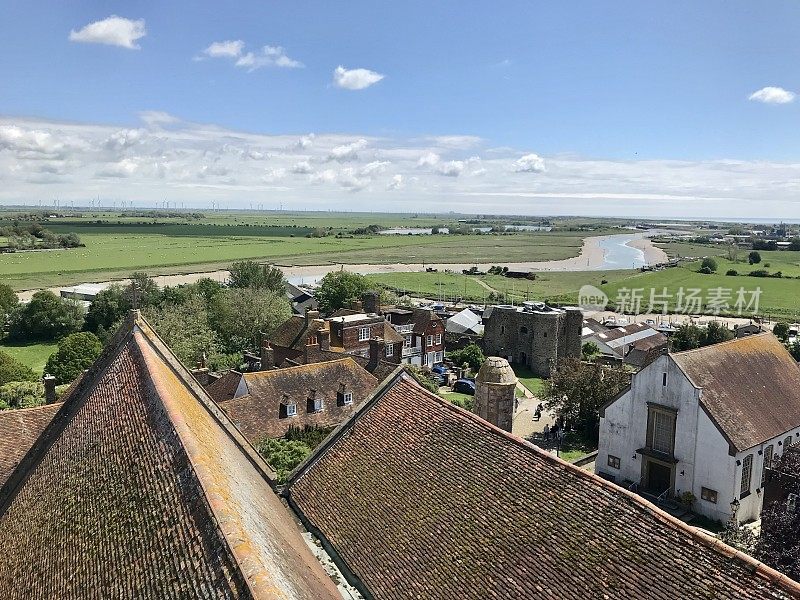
[
  {"x": 778, "y": 298},
  {"x": 116, "y": 247},
  {"x": 551, "y": 286},
  {"x": 33, "y": 355},
  {"x": 534, "y": 384}
]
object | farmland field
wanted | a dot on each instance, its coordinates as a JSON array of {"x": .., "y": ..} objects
[
  {"x": 33, "y": 355},
  {"x": 117, "y": 246}
]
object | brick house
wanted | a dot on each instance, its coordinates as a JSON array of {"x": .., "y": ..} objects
[
  {"x": 267, "y": 403},
  {"x": 423, "y": 335},
  {"x": 351, "y": 332}
]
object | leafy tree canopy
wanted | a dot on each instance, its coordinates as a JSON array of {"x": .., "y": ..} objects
[
  {"x": 576, "y": 391},
  {"x": 21, "y": 394},
  {"x": 75, "y": 353},
  {"x": 709, "y": 263},
  {"x": 471, "y": 355},
  {"x": 46, "y": 317},
  {"x": 13, "y": 370},
  {"x": 239, "y": 316},
  {"x": 339, "y": 288},
  {"x": 184, "y": 328},
  {"x": 253, "y": 275},
  {"x": 689, "y": 336},
  {"x": 754, "y": 257},
  {"x": 8, "y": 302}
]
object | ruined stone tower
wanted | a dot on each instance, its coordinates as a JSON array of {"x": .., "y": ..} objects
[{"x": 495, "y": 388}]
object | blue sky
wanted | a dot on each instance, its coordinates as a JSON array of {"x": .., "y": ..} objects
[{"x": 628, "y": 108}]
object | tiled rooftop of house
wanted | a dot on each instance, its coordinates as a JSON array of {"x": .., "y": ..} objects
[
  {"x": 143, "y": 489},
  {"x": 421, "y": 499},
  {"x": 19, "y": 429},
  {"x": 257, "y": 411},
  {"x": 751, "y": 387}
]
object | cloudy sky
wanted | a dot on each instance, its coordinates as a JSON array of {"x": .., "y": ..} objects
[{"x": 688, "y": 109}]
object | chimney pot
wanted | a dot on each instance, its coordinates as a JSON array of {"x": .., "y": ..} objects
[{"x": 267, "y": 356}]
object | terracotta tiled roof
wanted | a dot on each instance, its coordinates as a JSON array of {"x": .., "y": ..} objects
[
  {"x": 258, "y": 414},
  {"x": 294, "y": 332},
  {"x": 750, "y": 387},
  {"x": 390, "y": 335},
  {"x": 421, "y": 499},
  {"x": 19, "y": 429},
  {"x": 143, "y": 489},
  {"x": 224, "y": 388}
]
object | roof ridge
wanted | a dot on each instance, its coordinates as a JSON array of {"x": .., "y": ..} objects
[
  {"x": 301, "y": 366},
  {"x": 717, "y": 545}
]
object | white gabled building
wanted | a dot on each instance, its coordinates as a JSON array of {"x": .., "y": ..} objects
[{"x": 704, "y": 421}]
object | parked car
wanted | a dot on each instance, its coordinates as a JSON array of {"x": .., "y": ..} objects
[
  {"x": 440, "y": 369},
  {"x": 464, "y": 386}
]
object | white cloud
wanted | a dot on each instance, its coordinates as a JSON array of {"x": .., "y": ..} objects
[
  {"x": 113, "y": 31},
  {"x": 355, "y": 79},
  {"x": 772, "y": 95},
  {"x": 305, "y": 141},
  {"x": 347, "y": 152},
  {"x": 452, "y": 168},
  {"x": 303, "y": 168},
  {"x": 229, "y": 48},
  {"x": 530, "y": 163},
  {"x": 375, "y": 167},
  {"x": 396, "y": 183},
  {"x": 157, "y": 118},
  {"x": 429, "y": 159},
  {"x": 267, "y": 56},
  {"x": 202, "y": 163}
]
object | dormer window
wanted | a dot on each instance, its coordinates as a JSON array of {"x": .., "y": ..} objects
[
  {"x": 343, "y": 397},
  {"x": 315, "y": 403},
  {"x": 291, "y": 410},
  {"x": 287, "y": 407}
]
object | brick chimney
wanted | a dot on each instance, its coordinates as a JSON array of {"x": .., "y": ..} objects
[
  {"x": 372, "y": 302},
  {"x": 376, "y": 349},
  {"x": 267, "y": 356},
  {"x": 49, "y": 389},
  {"x": 311, "y": 315},
  {"x": 324, "y": 336},
  {"x": 356, "y": 305}
]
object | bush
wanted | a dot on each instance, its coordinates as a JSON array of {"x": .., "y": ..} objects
[
  {"x": 283, "y": 455},
  {"x": 75, "y": 353},
  {"x": 705, "y": 271},
  {"x": 758, "y": 273},
  {"x": 471, "y": 355},
  {"x": 754, "y": 257},
  {"x": 781, "y": 331},
  {"x": 13, "y": 370},
  {"x": 708, "y": 263},
  {"x": 338, "y": 288},
  {"x": 732, "y": 272},
  {"x": 21, "y": 394}
]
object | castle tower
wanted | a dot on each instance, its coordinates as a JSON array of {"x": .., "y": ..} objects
[{"x": 495, "y": 388}]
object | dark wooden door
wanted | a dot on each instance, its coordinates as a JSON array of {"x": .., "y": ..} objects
[{"x": 659, "y": 477}]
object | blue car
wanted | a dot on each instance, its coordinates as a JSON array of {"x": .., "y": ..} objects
[
  {"x": 440, "y": 370},
  {"x": 464, "y": 386}
]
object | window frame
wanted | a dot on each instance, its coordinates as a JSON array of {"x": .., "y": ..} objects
[
  {"x": 429, "y": 341},
  {"x": 347, "y": 398},
  {"x": 614, "y": 462},
  {"x": 769, "y": 453},
  {"x": 361, "y": 336},
  {"x": 389, "y": 350},
  {"x": 437, "y": 340},
  {"x": 291, "y": 410},
  {"x": 655, "y": 412},
  {"x": 709, "y": 495},
  {"x": 747, "y": 469}
]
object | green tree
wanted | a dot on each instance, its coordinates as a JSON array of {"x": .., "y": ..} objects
[
  {"x": 781, "y": 331},
  {"x": 589, "y": 350},
  {"x": 21, "y": 394},
  {"x": 471, "y": 355},
  {"x": 686, "y": 337},
  {"x": 238, "y": 316},
  {"x": 142, "y": 291},
  {"x": 709, "y": 264},
  {"x": 716, "y": 333},
  {"x": 46, "y": 317},
  {"x": 75, "y": 353},
  {"x": 13, "y": 370},
  {"x": 576, "y": 390},
  {"x": 423, "y": 378},
  {"x": 108, "y": 307},
  {"x": 779, "y": 542},
  {"x": 283, "y": 455},
  {"x": 185, "y": 329},
  {"x": 8, "y": 302},
  {"x": 339, "y": 288},
  {"x": 250, "y": 274},
  {"x": 754, "y": 257}
]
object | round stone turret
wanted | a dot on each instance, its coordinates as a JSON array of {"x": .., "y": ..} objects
[{"x": 495, "y": 388}]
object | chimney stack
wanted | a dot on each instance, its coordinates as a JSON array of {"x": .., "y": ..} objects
[
  {"x": 376, "y": 348},
  {"x": 356, "y": 305},
  {"x": 372, "y": 302},
  {"x": 49, "y": 389},
  {"x": 267, "y": 356},
  {"x": 324, "y": 336},
  {"x": 311, "y": 315}
]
